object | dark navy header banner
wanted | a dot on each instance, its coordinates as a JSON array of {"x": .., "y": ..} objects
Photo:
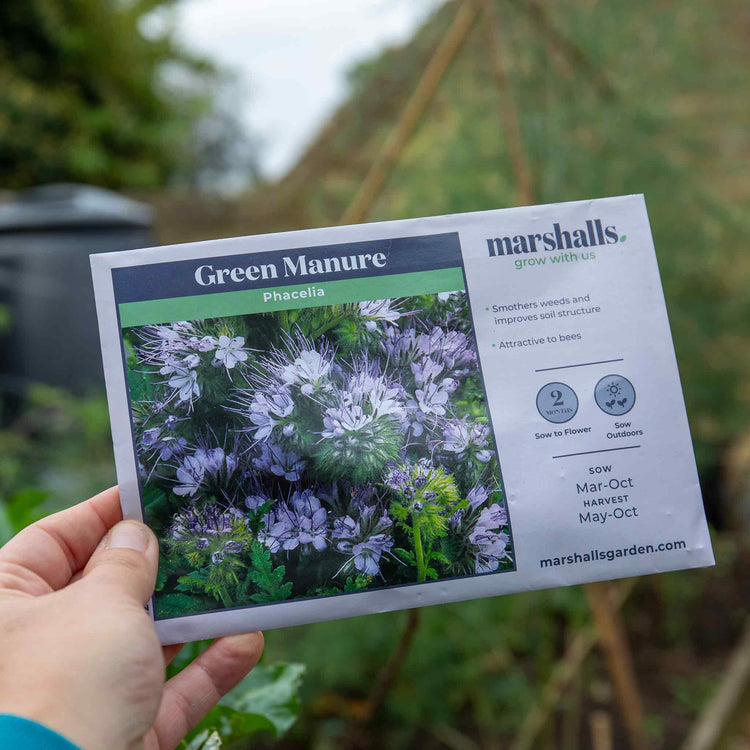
[{"x": 281, "y": 267}]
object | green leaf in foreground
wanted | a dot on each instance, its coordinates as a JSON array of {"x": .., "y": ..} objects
[
  {"x": 205, "y": 740},
  {"x": 271, "y": 691},
  {"x": 265, "y": 701}
]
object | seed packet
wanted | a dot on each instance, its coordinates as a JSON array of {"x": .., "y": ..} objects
[{"x": 342, "y": 421}]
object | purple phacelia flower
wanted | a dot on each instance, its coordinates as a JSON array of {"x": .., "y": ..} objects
[
  {"x": 400, "y": 345},
  {"x": 190, "y": 361},
  {"x": 253, "y": 502},
  {"x": 453, "y": 348},
  {"x": 366, "y": 386},
  {"x": 205, "y": 462},
  {"x": 185, "y": 385},
  {"x": 208, "y": 523},
  {"x": 154, "y": 442},
  {"x": 364, "y": 539},
  {"x": 308, "y": 370},
  {"x": 415, "y": 419},
  {"x": 349, "y": 417},
  {"x": 267, "y": 408},
  {"x": 230, "y": 351},
  {"x": 205, "y": 344},
  {"x": 189, "y": 476},
  {"x": 165, "y": 346},
  {"x": 300, "y": 523},
  {"x": 477, "y": 496},
  {"x": 460, "y": 436},
  {"x": 211, "y": 459},
  {"x": 432, "y": 399},
  {"x": 490, "y": 540},
  {"x": 366, "y": 403},
  {"x": 425, "y": 370},
  {"x": 377, "y": 311},
  {"x": 408, "y": 479},
  {"x": 275, "y": 460}
]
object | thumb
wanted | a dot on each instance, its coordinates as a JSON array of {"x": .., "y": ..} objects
[{"x": 125, "y": 562}]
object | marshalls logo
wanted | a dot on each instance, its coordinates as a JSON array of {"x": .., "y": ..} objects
[{"x": 594, "y": 234}]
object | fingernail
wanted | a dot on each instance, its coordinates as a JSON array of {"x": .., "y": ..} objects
[{"x": 128, "y": 535}]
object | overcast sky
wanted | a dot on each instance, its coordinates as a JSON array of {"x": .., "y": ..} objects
[{"x": 292, "y": 57}]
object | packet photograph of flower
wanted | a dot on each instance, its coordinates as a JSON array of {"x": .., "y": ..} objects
[{"x": 317, "y": 451}]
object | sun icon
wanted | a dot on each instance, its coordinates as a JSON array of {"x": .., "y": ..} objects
[{"x": 614, "y": 389}]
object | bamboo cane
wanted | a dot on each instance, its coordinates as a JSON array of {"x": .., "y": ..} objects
[
  {"x": 412, "y": 113},
  {"x": 707, "y": 731},
  {"x": 600, "y": 723},
  {"x": 577, "y": 58},
  {"x": 619, "y": 663},
  {"x": 392, "y": 669},
  {"x": 354, "y": 735},
  {"x": 562, "y": 675},
  {"x": 508, "y": 110}
]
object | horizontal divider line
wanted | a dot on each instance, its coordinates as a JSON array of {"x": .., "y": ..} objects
[
  {"x": 583, "y": 364},
  {"x": 603, "y": 450}
]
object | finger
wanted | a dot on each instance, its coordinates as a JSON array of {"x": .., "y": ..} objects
[
  {"x": 170, "y": 652},
  {"x": 125, "y": 563},
  {"x": 192, "y": 693},
  {"x": 51, "y": 551}
]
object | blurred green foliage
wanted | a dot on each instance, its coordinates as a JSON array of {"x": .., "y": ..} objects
[
  {"x": 55, "y": 452},
  {"x": 101, "y": 92},
  {"x": 691, "y": 694}
]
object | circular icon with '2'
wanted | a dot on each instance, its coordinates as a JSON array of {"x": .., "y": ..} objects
[{"x": 557, "y": 402}]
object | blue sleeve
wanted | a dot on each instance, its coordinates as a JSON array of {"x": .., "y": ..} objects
[{"x": 16, "y": 732}]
